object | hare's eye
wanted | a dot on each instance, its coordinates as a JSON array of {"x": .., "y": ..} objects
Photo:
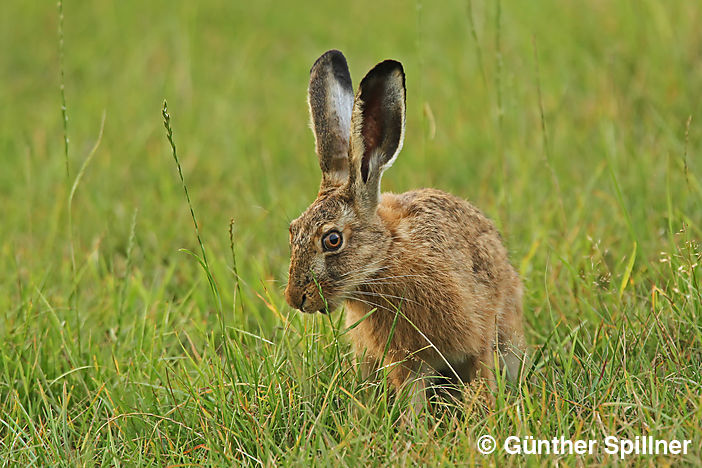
[{"x": 331, "y": 241}]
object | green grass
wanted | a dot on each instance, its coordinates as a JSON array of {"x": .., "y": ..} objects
[{"x": 569, "y": 124}]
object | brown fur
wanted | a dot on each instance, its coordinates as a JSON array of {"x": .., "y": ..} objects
[{"x": 426, "y": 260}]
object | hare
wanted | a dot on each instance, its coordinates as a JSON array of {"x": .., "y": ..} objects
[{"x": 423, "y": 274}]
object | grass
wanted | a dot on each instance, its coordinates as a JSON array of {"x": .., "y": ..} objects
[{"x": 130, "y": 338}]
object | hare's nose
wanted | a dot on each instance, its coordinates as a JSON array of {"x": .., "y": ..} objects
[{"x": 295, "y": 297}]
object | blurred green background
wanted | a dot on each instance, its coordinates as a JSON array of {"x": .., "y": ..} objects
[{"x": 566, "y": 122}]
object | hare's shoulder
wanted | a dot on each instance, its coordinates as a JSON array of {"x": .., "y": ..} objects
[
  {"x": 433, "y": 213},
  {"x": 446, "y": 233}
]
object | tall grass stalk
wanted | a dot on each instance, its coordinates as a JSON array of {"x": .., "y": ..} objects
[
  {"x": 235, "y": 272},
  {"x": 62, "y": 89},
  {"x": 474, "y": 35},
  {"x": 504, "y": 175},
  {"x": 686, "y": 144},
  {"x": 425, "y": 116},
  {"x": 128, "y": 263},
  {"x": 204, "y": 263}
]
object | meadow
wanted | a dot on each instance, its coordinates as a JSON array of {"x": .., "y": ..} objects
[{"x": 129, "y": 338}]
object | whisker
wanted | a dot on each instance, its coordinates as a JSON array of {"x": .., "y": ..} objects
[
  {"x": 398, "y": 276},
  {"x": 369, "y": 268},
  {"x": 377, "y": 265},
  {"x": 385, "y": 296},
  {"x": 371, "y": 280},
  {"x": 371, "y": 304}
]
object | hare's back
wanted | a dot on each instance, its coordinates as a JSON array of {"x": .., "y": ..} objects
[{"x": 439, "y": 226}]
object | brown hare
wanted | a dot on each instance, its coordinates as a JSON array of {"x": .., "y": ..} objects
[{"x": 430, "y": 265}]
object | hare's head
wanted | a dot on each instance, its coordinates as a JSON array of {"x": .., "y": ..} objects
[{"x": 339, "y": 241}]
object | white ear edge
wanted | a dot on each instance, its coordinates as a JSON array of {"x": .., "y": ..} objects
[
  {"x": 391, "y": 161},
  {"x": 342, "y": 103}
]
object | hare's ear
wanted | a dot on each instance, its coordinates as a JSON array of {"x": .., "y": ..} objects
[
  {"x": 377, "y": 129},
  {"x": 331, "y": 102}
]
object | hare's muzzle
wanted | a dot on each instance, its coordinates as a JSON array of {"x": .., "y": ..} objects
[
  {"x": 305, "y": 299},
  {"x": 295, "y": 297}
]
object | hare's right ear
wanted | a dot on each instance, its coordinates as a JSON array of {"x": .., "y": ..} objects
[
  {"x": 377, "y": 130},
  {"x": 331, "y": 103}
]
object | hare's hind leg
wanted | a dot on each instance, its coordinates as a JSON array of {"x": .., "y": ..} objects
[
  {"x": 512, "y": 358},
  {"x": 411, "y": 378},
  {"x": 485, "y": 372},
  {"x": 510, "y": 336}
]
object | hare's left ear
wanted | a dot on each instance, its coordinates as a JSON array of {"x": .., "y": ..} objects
[
  {"x": 331, "y": 101},
  {"x": 377, "y": 129}
]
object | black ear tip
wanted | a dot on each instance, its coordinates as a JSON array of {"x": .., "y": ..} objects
[
  {"x": 385, "y": 69},
  {"x": 335, "y": 60},
  {"x": 390, "y": 65},
  {"x": 333, "y": 57}
]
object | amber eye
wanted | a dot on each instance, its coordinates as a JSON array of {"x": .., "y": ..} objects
[{"x": 332, "y": 241}]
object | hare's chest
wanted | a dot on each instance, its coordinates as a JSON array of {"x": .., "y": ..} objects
[
  {"x": 371, "y": 327},
  {"x": 381, "y": 332}
]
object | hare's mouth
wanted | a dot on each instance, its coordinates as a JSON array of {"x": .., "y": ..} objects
[{"x": 312, "y": 302}]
